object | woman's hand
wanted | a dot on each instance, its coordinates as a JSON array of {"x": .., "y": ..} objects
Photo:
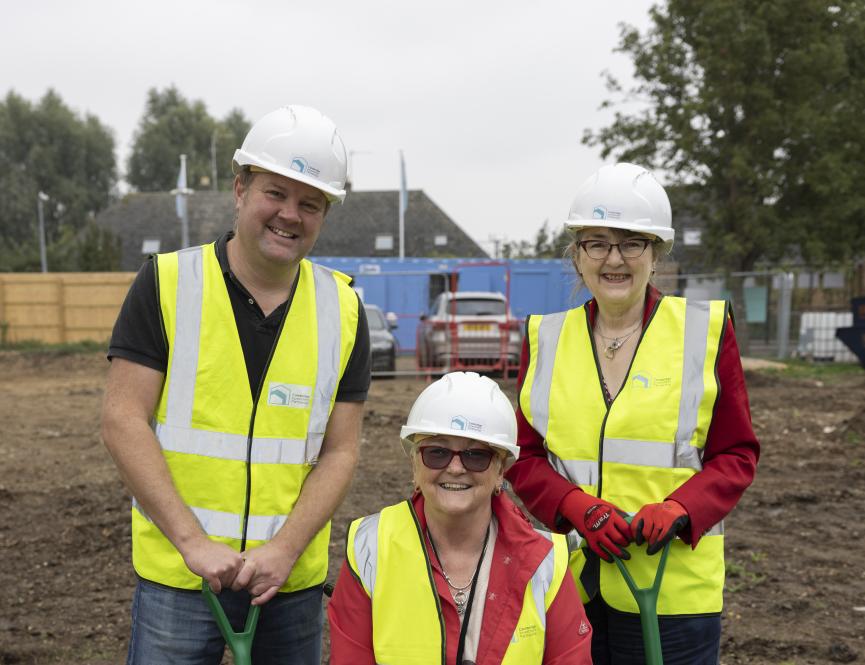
[
  {"x": 600, "y": 522},
  {"x": 658, "y": 523}
]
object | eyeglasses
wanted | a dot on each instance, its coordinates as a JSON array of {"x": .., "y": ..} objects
[
  {"x": 473, "y": 459},
  {"x": 629, "y": 249}
]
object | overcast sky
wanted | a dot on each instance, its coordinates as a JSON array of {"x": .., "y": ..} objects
[{"x": 487, "y": 99}]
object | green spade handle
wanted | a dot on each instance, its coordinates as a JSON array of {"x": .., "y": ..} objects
[
  {"x": 647, "y": 601},
  {"x": 239, "y": 643}
]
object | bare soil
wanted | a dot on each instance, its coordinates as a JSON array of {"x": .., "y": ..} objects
[{"x": 796, "y": 572}]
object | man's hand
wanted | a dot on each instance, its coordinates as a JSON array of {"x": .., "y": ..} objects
[
  {"x": 215, "y": 562},
  {"x": 658, "y": 524},
  {"x": 264, "y": 571},
  {"x": 599, "y": 522}
]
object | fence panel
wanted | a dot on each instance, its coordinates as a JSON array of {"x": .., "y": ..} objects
[{"x": 60, "y": 307}]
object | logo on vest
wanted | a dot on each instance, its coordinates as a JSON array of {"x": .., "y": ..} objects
[
  {"x": 644, "y": 380},
  {"x": 289, "y": 394},
  {"x": 524, "y": 632}
]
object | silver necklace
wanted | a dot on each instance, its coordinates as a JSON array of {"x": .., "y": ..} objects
[
  {"x": 616, "y": 343},
  {"x": 459, "y": 592}
]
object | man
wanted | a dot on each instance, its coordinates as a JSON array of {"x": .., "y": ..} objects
[{"x": 233, "y": 409}]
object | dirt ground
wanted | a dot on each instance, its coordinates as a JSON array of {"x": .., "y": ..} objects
[{"x": 796, "y": 571}]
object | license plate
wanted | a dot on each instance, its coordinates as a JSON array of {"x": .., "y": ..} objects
[{"x": 476, "y": 327}]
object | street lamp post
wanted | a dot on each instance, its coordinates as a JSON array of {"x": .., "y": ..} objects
[{"x": 43, "y": 255}]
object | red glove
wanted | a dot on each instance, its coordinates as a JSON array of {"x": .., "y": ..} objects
[
  {"x": 599, "y": 522},
  {"x": 658, "y": 524}
]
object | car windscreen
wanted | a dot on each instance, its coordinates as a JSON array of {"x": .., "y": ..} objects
[
  {"x": 375, "y": 319},
  {"x": 478, "y": 307}
]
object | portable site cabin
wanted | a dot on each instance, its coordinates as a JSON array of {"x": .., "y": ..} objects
[{"x": 406, "y": 287}]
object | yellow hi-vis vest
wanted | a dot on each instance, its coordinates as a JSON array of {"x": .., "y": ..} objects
[
  {"x": 645, "y": 445},
  {"x": 240, "y": 465},
  {"x": 386, "y": 554}
]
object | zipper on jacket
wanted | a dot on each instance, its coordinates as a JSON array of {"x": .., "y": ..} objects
[
  {"x": 602, "y": 383},
  {"x": 249, "y": 436}
]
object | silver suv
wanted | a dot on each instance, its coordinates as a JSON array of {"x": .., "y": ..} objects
[{"x": 469, "y": 330}]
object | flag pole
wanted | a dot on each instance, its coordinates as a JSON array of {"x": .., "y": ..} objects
[{"x": 403, "y": 203}]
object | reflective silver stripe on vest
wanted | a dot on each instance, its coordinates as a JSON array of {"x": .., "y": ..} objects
[
  {"x": 219, "y": 445},
  {"x": 639, "y": 453},
  {"x": 539, "y": 399},
  {"x": 228, "y": 525},
  {"x": 693, "y": 361},
  {"x": 366, "y": 550},
  {"x": 579, "y": 472},
  {"x": 329, "y": 329},
  {"x": 184, "y": 358},
  {"x": 542, "y": 580}
]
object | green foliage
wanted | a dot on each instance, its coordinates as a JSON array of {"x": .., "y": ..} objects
[
  {"x": 64, "y": 349},
  {"x": 742, "y": 577},
  {"x": 49, "y": 148},
  {"x": 544, "y": 246},
  {"x": 171, "y": 126},
  {"x": 756, "y": 106},
  {"x": 817, "y": 371}
]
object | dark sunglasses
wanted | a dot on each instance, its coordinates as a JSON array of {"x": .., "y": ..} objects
[{"x": 473, "y": 459}]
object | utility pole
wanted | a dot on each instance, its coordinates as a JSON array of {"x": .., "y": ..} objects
[
  {"x": 496, "y": 240},
  {"x": 43, "y": 255}
]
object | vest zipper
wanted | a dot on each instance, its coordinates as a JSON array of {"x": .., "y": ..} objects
[
  {"x": 431, "y": 580},
  {"x": 601, "y": 383},
  {"x": 250, "y": 436}
]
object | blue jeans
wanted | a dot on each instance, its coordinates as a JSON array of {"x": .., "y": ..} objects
[
  {"x": 617, "y": 638},
  {"x": 176, "y": 626}
]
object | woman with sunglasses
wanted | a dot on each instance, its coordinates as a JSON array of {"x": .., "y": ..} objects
[
  {"x": 456, "y": 574},
  {"x": 635, "y": 404}
]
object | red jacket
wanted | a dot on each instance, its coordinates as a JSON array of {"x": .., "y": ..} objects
[
  {"x": 517, "y": 553},
  {"x": 729, "y": 457}
]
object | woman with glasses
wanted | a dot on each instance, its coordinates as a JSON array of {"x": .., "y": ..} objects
[
  {"x": 633, "y": 407},
  {"x": 456, "y": 574}
]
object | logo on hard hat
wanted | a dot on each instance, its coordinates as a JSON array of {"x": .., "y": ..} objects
[
  {"x": 602, "y": 212},
  {"x": 300, "y": 165},
  {"x": 464, "y": 424}
]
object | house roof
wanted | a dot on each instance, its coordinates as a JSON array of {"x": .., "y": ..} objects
[{"x": 349, "y": 230}]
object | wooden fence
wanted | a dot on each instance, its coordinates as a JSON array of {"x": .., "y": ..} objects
[{"x": 60, "y": 307}]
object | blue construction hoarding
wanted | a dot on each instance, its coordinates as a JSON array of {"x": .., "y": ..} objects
[{"x": 407, "y": 287}]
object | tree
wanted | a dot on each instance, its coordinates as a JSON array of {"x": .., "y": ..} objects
[
  {"x": 755, "y": 105},
  {"x": 47, "y": 147},
  {"x": 172, "y": 125},
  {"x": 544, "y": 246}
]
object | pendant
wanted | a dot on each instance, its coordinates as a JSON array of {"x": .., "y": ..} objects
[
  {"x": 460, "y": 601},
  {"x": 610, "y": 351}
]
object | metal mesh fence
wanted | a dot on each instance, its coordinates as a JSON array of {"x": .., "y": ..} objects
[{"x": 782, "y": 314}]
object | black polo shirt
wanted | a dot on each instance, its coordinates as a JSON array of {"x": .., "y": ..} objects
[{"x": 139, "y": 335}]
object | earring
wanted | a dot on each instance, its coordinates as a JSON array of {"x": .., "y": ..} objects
[{"x": 498, "y": 490}]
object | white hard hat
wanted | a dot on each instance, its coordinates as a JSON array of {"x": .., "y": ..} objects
[
  {"x": 300, "y": 143},
  {"x": 464, "y": 404},
  {"x": 623, "y": 196}
]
